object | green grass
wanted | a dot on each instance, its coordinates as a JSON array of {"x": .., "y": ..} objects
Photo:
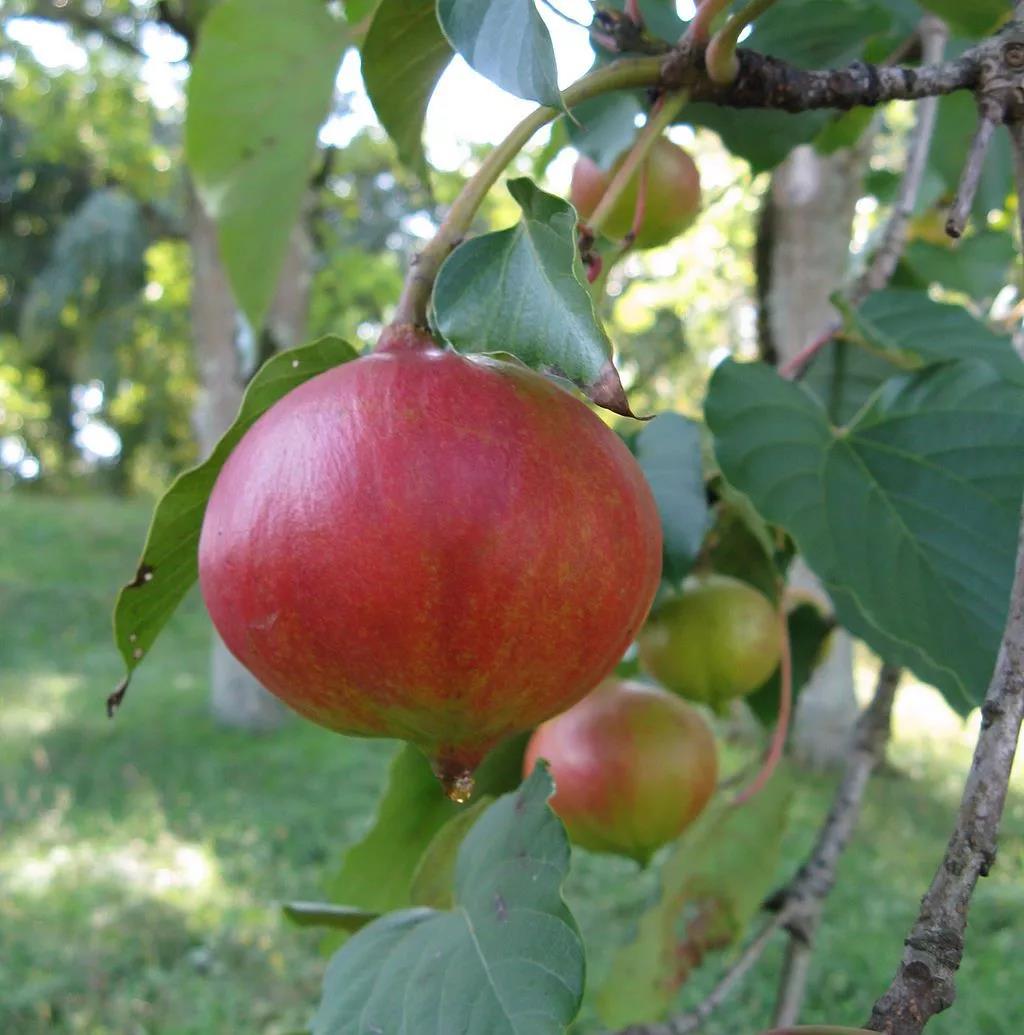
[{"x": 141, "y": 859}]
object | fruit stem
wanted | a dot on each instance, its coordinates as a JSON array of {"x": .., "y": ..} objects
[
  {"x": 778, "y": 744},
  {"x": 700, "y": 25},
  {"x": 624, "y": 74},
  {"x": 720, "y": 58},
  {"x": 661, "y": 116}
]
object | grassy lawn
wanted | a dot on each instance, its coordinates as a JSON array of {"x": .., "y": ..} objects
[{"x": 141, "y": 859}]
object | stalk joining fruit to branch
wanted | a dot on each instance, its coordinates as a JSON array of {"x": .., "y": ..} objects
[
  {"x": 778, "y": 741},
  {"x": 625, "y": 74},
  {"x": 658, "y": 121},
  {"x": 720, "y": 58}
]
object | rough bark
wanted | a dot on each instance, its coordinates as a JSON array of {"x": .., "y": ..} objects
[
  {"x": 811, "y": 204},
  {"x": 237, "y": 699},
  {"x": 925, "y": 981}
]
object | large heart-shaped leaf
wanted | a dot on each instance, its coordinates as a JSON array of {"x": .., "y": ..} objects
[
  {"x": 506, "y": 960},
  {"x": 169, "y": 559},
  {"x": 522, "y": 291},
  {"x": 403, "y": 57},
  {"x": 978, "y": 265},
  {"x": 910, "y": 328},
  {"x": 712, "y": 883},
  {"x": 668, "y": 451},
  {"x": 261, "y": 84},
  {"x": 506, "y": 41},
  {"x": 909, "y": 515}
]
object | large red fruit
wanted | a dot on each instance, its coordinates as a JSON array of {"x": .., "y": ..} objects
[
  {"x": 633, "y": 767},
  {"x": 672, "y": 198},
  {"x": 421, "y": 545}
]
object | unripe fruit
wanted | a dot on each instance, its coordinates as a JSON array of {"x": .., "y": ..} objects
[
  {"x": 633, "y": 767},
  {"x": 425, "y": 546},
  {"x": 671, "y": 202},
  {"x": 717, "y": 640}
]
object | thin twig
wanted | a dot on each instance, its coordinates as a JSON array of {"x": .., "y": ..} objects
[
  {"x": 692, "y": 1020},
  {"x": 803, "y": 899},
  {"x": 933, "y": 35},
  {"x": 924, "y": 984},
  {"x": 989, "y": 117}
]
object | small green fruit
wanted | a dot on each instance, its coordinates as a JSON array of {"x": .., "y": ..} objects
[
  {"x": 671, "y": 203},
  {"x": 717, "y": 640},
  {"x": 633, "y": 767}
]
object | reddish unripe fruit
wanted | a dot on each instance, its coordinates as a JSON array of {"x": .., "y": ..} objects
[
  {"x": 717, "y": 640},
  {"x": 425, "y": 546},
  {"x": 671, "y": 200},
  {"x": 633, "y": 767}
]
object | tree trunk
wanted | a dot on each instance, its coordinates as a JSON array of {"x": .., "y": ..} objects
[
  {"x": 237, "y": 699},
  {"x": 806, "y": 257}
]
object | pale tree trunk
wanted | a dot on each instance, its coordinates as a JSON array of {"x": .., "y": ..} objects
[
  {"x": 237, "y": 699},
  {"x": 812, "y": 205}
]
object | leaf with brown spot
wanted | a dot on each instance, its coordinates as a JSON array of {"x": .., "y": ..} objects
[
  {"x": 712, "y": 883},
  {"x": 169, "y": 563}
]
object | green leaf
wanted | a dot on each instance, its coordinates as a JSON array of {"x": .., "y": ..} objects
[
  {"x": 604, "y": 126},
  {"x": 740, "y": 544},
  {"x": 762, "y": 137},
  {"x": 712, "y": 884},
  {"x": 168, "y": 566},
  {"x": 912, "y": 329},
  {"x": 507, "y": 960},
  {"x": 976, "y": 18},
  {"x": 898, "y": 329},
  {"x": 978, "y": 265},
  {"x": 403, "y": 57},
  {"x": 818, "y": 33},
  {"x": 326, "y": 914},
  {"x": 377, "y": 873},
  {"x": 668, "y": 451},
  {"x": 809, "y": 631},
  {"x": 909, "y": 515},
  {"x": 844, "y": 130},
  {"x": 433, "y": 883},
  {"x": 506, "y": 41},
  {"x": 261, "y": 84},
  {"x": 844, "y": 375},
  {"x": 522, "y": 291}
]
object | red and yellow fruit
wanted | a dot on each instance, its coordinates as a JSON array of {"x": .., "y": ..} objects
[
  {"x": 633, "y": 767},
  {"x": 718, "y": 639},
  {"x": 671, "y": 202},
  {"x": 426, "y": 546}
]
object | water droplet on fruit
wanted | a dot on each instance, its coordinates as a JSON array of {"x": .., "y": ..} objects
[{"x": 459, "y": 788}]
